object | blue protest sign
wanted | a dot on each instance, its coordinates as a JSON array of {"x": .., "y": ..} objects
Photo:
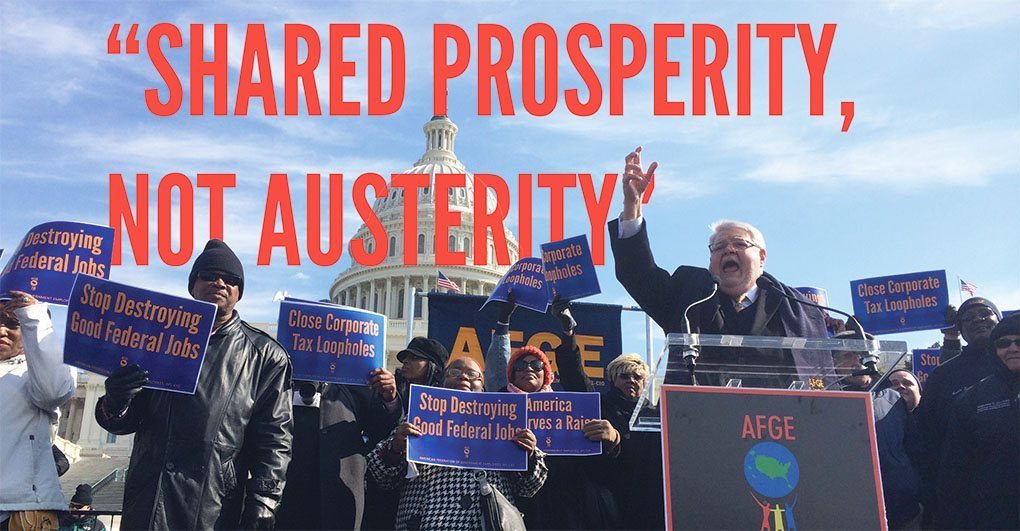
[
  {"x": 569, "y": 270},
  {"x": 558, "y": 418},
  {"x": 527, "y": 280},
  {"x": 111, "y": 325},
  {"x": 901, "y": 303},
  {"x": 924, "y": 361},
  {"x": 815, "y": 295},
  {"x": 330, "y": 343},
  {"x": 467, "y": 430},
  {"x": 50, "y": 255}
]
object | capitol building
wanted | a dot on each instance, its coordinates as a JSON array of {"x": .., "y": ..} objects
[{"x": 385, "y": 288}]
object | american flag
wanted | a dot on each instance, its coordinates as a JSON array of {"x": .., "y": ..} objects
[
  {"x": 446, "y": 283},
  {"x": 968, "y": 287}
]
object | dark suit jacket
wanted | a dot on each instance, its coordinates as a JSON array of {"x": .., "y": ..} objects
[{"x": 664, "y": 297}]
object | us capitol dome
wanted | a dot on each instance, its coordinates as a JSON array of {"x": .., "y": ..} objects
[{"x": 384, "y": 288}]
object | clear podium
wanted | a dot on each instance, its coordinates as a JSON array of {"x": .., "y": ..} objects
[{"x": 769, "y": 362}]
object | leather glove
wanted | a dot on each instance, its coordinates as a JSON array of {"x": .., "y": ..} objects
[
  {"x": 951, "y": 331},
  {"x": 507, "y": 308},
  {"x": 257, "y": 516},
  {"x": 122, "y": 386},
  {"x": 561, "y": 310}
]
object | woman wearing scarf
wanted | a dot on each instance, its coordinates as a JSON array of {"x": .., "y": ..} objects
[{"x": 576, "y": 494}]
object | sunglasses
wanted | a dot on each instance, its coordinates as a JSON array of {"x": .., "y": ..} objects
[
  {"x": 10, "y": 324},
  {"x": 1005, "y": 342},
  {"x": 471, "y": 374},
  {"x": 213, "y": 276},
  {"x": 534, "y": 365}
]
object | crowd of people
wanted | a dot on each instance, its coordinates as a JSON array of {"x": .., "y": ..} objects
[{"x": 253, "y": 449}]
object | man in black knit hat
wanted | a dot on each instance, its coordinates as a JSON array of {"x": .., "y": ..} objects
[
  {"x": 975, "y": 319},
  {"x": 979, "y": 478},
  {"x": 81, "y": 502},
  {"x": 217, "y": 458}
]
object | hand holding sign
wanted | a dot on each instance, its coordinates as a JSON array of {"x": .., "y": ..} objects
[
  {"x": 561, "y": 309},
  {"x": 121, "y": 388},
  {"x": 526, "y": 439},
  {"x": 398, "y": 443},
  {"x": 384, "y": 384},
  {"x": 601, "y": 430}
]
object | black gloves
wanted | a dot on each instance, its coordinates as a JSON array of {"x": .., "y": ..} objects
[
  {"x": 257, "y": 516},
  {"x": 122, "y": 386},
  {"x": 561, "y": 310},
  {"x": 506, "y": 308}
]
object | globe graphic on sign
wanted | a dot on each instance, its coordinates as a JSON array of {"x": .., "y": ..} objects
[{"x": 771, "y": 469}]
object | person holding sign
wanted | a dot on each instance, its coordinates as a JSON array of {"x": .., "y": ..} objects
[
  {"x": 576, "y": 494},
  {"x": 421, "y": 362},
  {"x": 736, "y": 261},
  {"x": 217, "y": 458},
  {"x": 34, "y": 382},
  {"x": 435, "y": 497},
  {"x": 975, "y": 319},
  {"x": 979, "y": 481}
]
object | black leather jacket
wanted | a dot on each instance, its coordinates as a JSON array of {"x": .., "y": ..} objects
[{"x": 193, "y": 454}]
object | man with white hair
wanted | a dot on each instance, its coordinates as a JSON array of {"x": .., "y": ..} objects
[{"x": 737, "y": 259}]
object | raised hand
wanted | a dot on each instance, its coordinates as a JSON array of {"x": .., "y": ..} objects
[{"x": 635, "y": 182}]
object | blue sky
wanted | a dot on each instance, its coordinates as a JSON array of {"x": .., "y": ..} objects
[{"x": 928, "y": 177}]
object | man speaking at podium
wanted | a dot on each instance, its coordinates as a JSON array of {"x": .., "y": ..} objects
[{"x": 748, "y": 300}]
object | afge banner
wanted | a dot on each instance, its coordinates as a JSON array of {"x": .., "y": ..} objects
[{"x": 461, "y": 324}]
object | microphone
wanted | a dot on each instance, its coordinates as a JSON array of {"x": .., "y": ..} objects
[
  {"x": 869, "y": 359},
  {"x": 691, "y": 351}
]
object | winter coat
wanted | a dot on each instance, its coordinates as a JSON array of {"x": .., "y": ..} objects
[
  {"x": 636, "y": 474},
  {"x": 901, "y": 483},
  {"x": 32, "y": 387},
  {"x": 326, "y": 476},
  {"x": 946, "y": 383},
  {"x": 193, "y": 454},
  {"x": 665, "y": 297},
  {"x": 979, "y": 480},
  {"x": 444, "y": 498}
]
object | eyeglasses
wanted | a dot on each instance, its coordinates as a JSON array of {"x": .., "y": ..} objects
[
  {"x": 471, "y": 374},
  {"x": 739, "y": 244},
  {"x": 213, "y": 276},
  {"x": 10, "y": 324},
  {"x": 534, "y": 365},
  {"x": 1005, "y": 342}
]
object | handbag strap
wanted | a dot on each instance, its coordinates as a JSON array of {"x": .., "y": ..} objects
[{"x": 483, "y": 483}]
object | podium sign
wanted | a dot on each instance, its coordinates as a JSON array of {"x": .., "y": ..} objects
[{"x": 769, "y": 458}]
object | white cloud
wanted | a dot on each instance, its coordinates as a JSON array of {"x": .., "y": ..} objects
[
  {"x": 38, "y": 34},
  {"x": 961, "y": 156},
  {"x": 953, "y": 14}
]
